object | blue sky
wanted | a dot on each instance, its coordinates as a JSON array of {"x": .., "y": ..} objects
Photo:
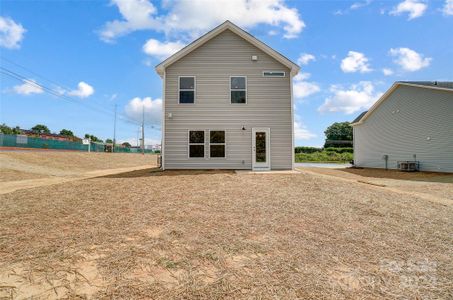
[{"x": 98, "y": 54}]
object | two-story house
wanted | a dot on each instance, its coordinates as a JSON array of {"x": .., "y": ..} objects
[{"x": 227, "y": 104}]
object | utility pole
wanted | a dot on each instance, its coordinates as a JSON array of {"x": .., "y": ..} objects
[
  {"x": 143, "y": 129},
  {"x": 114, "y": 130}
]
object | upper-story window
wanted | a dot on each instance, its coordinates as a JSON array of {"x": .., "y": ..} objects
[
  {"x": 186, "y": 89},
  {"x": 238, "y": 89}
]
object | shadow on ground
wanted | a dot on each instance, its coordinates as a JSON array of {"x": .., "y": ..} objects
[
  {"x": 398, "y": 175},
  {"x": 159, "y": 172}
]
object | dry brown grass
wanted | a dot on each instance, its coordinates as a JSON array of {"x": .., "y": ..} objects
[
  {"x": 427, "y": 184},
  {"x": 215, "y": 235},
  {"x": 23, "y": 165}
]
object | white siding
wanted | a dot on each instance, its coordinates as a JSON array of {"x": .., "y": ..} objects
[
  {"x": 400, "y": 128},
  {"x": 268, "y": 105}
]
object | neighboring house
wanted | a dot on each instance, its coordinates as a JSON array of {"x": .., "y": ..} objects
[
  {"x": 156, "y": 147},
  {"x": 411, "y": 121},
  {"x": 227, "y": 104}
]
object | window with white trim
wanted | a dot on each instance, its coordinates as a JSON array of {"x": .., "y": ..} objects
[
  {"x": 186, "y": 89},
  {"x": 217, "y": 143},
  {"x": 238, "y": 89},
  {"x": 196, "y": 143}
]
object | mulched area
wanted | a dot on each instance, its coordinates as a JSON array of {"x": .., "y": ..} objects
[{"x": 217, "y": 235}]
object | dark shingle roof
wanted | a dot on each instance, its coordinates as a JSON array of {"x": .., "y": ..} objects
[
  {"x": 359, "y": 117},
  {"x": 440, "y": 84}
]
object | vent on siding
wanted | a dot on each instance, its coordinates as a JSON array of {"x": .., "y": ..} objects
[{"x": 273, "y": 74}]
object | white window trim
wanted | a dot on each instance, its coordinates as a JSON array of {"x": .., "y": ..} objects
[
  {"x": 189, "y": 143},
  {"x": 246, "y": 94},
  {"x": 194, "y": 88},
  {"x": 274, "y": 76},
  {"x": 209, "y": 144}
]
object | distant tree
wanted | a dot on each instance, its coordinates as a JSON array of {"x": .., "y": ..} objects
[
  {"x": 40, "y": 128},
  {"x": 5, "y": 129},
  {"x": 66, "y": 132},
  {"x": 126, "y": 144},
  {"x": 338, "y": 131},
  {"x": 109, "y": 141},
  {"x": 93, "y": 138}
]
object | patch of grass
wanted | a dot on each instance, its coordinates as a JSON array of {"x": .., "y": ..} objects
[
  {"x": 167, "y": 263},
  {"x": 324, "y": 156}
]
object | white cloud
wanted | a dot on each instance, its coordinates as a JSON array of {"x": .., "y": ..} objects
[
  {"x": 358, "y": 97},
  {"x": 409, "y": 60},
  {"x": 302, "y": 76},
  {"x": 153, "y": 110},
  {"x": 301, "y": 132},
  {"x": 358, "y": 5},
  {"x": 83, "y": 90},
  {"x": 355, "y": 62},
  {"x": 387, "y": 71},
  {"x": 137, "y": 15},
  {"x": 448, "y": 8},
  {"x": 414, "y": 8},
  {"x": 161, "y": 50},
  {"x": 272, "y": 32},
  {"x": 305, "y": 58},
  {"x": 354, "y": 6},
  {"x": 302, "y": 88},
  {"x": 11, "y": 33},
  {"x": 28, "y": 87},
  {"x": 188, "y": 17}
]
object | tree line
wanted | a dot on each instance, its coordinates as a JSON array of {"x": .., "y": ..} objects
[{"x": 43, "y": 129}]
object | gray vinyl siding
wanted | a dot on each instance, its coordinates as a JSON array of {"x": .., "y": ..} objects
[
  {"x": 400, "y": 126},
  {"x": 268, "y": 105}
]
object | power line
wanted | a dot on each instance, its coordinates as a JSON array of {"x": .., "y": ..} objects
[
  {"x": 58, "y": 94},
  {"x": 99, "y": 108},
  {"x": 58, "y": 84},
  {"x": 47, "y": 89}
]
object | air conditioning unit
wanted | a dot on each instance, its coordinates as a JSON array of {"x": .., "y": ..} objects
[{"x": 408, "y": 165}]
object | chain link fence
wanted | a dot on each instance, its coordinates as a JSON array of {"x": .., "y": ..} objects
[{"x": 24, "y": 141}]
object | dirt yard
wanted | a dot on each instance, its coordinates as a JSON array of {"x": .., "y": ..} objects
[
  {"x": 218, "y": 234},
  {"x": 429, "y": 185},
  {"x": 22, "y": 165}
]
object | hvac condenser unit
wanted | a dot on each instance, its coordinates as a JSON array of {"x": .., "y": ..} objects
[{"x": 408, "y": 165}]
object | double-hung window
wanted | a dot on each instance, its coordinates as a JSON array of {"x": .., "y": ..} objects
[
  {"x": 186, "y": 89},
  {"x": 216, "y": 143},
  {"x": 238, "y": 89},
  {"x": 196, "y": 143}
]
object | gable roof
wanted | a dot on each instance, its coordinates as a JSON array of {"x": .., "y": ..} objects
[
  {"x": 359, "y": 117},
  {"x": 434, "y": 85},
  {"x": 438, "y": 84},
  {"x": 227, "y": 25}
]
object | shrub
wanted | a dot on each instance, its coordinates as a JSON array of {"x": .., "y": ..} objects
[
  {"x": 340, "y": 150},
  {"x": 324, "y": 156},
  {"x": 302, "y": 149}
]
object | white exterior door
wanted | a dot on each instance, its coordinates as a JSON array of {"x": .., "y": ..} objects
[{"x": 261, "y": 148}]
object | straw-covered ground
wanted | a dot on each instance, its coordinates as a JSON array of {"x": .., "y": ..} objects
[
  {"x": 23, "y": 165},
  {"x": 213, "y": 235}
]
